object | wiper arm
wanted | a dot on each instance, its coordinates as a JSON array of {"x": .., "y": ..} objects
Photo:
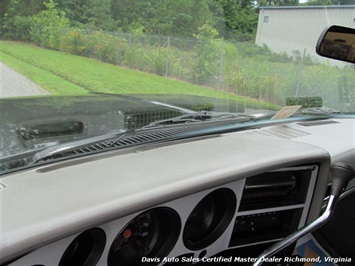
[
  {"x": 202, "y": 116},
  {"x": 108, "y": 141},
  {"x": 59, "y": 150},
  {"x": 320, "y": 111}
]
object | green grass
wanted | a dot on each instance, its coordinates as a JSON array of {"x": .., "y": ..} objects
[
  {"x": 65, "y": 74},
  {"x": 46, "y": 79}
]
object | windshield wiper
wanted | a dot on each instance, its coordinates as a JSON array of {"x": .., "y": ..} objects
[
  {"x": 202, "y": 116},
  {"x": 320, "y": 111},
  {"x": 58, "y": 150},
  {"x": 147, "y": 134}
]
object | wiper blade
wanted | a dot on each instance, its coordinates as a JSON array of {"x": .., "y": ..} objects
[
  {"x": 320, "y": 111},
  {"x": 147, "y": 134},
  {"x": 202, "y": 116},
  {"x": 59, "y": 150}
]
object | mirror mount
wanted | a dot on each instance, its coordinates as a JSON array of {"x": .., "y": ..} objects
[{"x": 337, "y": 42}]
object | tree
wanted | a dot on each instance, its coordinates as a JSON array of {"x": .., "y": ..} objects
[
  {"x": 16, "y": 17},
  {"x": 98, "y": 14},
  {"x": 130, "y": 15},
  {"x": 3, "y": 7},
  {"x": 74, "y": 10},
  {"x": 92, "y": 14},
  {"x": 278, "y": 2},
  {"x": 26, "y": 7},
  {"x": 48, "y": 25},
  {"x": 241, "y": 18},
  {"x": 165, "y": 17}
]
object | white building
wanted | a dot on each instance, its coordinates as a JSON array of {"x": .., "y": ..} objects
[{"x": 282, "y": 29}]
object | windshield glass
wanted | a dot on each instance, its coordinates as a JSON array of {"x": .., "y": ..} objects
[{"x": 108, "y": 69}]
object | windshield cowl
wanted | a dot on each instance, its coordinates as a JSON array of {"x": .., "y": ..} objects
[
  {"x": 134, "y": 139},
  {"x": 41, "y": 122},
  {"x": 45, "y": 128}
]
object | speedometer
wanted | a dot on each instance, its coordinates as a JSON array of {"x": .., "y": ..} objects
[{"x": 151, "y": 234}]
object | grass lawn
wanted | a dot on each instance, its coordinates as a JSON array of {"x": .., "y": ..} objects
[
  {"x": 66, "y": 74},
  {"x": 44, "y": 78}
]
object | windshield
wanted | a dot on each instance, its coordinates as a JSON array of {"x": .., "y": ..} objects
[{"x": 75, "y": 71}]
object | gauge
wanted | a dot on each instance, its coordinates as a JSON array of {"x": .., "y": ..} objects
[
  {"x": 86, "y": 249},
  {"x": 150, "y": 235},
  {"x": 209, "y": 219}
]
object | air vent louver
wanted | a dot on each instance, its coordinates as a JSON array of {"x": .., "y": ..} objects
[{"x": 275, "y": 189}]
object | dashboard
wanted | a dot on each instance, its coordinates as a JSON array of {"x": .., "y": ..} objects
[{"x": 217, "y": 198}]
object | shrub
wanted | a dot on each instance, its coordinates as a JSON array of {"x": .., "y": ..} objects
[
  {"x": 47, "y": 26},
  {"x": 74, "y": 41},
  {"x": 18, "y": 28}
]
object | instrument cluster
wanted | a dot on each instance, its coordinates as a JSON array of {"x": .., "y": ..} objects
[{"x": 210, "y": 223}]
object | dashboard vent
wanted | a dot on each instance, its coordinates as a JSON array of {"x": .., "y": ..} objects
[
  {"x": 275, "y": 189},
  {"x": 283, "y": 132},
  {"x": 271, "y": 207}
]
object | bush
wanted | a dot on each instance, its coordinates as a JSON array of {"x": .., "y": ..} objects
[
  {"x": 96, "y": 44},
  {"x": 18, "y": 28},
  {"x": 137, "y": 58},
  {"x": 74, "y": 41},
  {"x": 208, "y": 61},
  {"x": 47, "y": 26}
]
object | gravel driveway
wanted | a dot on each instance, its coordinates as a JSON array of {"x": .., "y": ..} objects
[{"x": 13, "y": 84}]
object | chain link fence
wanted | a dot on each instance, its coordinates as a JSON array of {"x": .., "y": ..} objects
[{"x": 243, "y": 69}]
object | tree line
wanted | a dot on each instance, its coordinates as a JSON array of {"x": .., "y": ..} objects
[{"x": 228, "y": 18}]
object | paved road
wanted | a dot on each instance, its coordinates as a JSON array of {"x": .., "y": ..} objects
[{"x": 14, "y": 84}]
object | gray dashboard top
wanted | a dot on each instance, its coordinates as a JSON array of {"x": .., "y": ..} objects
[{"x": 43, "y": 204}]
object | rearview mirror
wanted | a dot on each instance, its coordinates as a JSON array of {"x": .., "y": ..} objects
[{"x": 337, "y": 42}]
